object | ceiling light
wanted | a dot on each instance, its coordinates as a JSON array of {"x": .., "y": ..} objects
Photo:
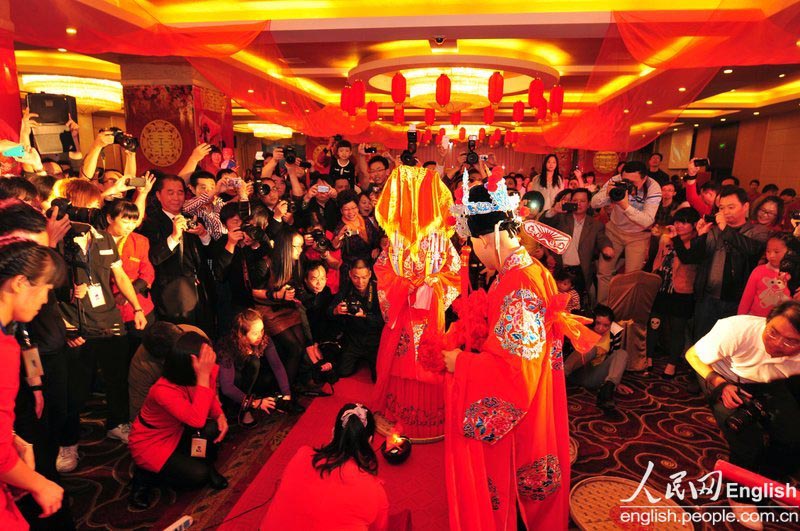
[
  {"x": 62, "y": 50},
  {"x": 626, "y": 111},
  {"x": 467, "y": 87},
  {"x": 782, "y": 75},
  {"x": 682, "y": 89},
  {"x": 250, "y": 91},
  {"x": 264, "y": 130},
  {"x": 72, "y": 31},
  {"x": 649, "y": 102},
  {"x": 697, "y": 125},
  {"x": 728, "y": 71},
  {"x": 756, "y": 113},
  {"x": 674, "y": 128},
  {"x": 308, "y": 110},
  {"x": 91, "y": 94},
  {"x": 733, "y": 90},
  {"x": 722, "y": 119},
  {"x": 283, "y": 103}
]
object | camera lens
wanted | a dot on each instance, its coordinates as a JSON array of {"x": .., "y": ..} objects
[{"x": 472, "y": 158}]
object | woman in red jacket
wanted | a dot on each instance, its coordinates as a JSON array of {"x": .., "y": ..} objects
[
  {"x": 28, "y": 272},
  {"x": 338, "y": 483},
  {"x": 181, "y": 410}
]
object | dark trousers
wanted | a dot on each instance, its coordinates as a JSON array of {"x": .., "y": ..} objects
[
  {"x": 710, "y": 310},
  {"x": 770, "y": 447},
  {"x": 182, "y": 471},
  {"x": 358, "y": 347},
  {"x": 111, "y": 355}
]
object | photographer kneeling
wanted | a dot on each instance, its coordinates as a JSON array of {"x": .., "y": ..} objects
[
  {"x": 358, "y": 309},
  {"x": 747, "y": 363}
]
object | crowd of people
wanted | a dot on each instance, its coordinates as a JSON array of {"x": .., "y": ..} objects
[{"x": 221, "y": 294}]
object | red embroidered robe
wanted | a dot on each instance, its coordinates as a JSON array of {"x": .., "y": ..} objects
[
  {"x": 405, "y": 391},
  {"x": 506, "y": 433}
]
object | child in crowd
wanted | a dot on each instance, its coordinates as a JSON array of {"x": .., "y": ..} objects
[
  {"x": 767, "y": 287},
  {"x": 565, "y": 281}
]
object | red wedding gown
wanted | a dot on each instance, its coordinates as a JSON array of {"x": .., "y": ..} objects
[{"x": 506, "y": 434}]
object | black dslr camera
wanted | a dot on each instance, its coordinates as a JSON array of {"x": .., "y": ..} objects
[
  {"x": 620, "y": 188},
  {"x": 254, "y": 232},
  {"x": 289, "y": 154},
  {"x": 407, "y": 157},
  {"x": 751, "y": 411},
  {"x": 353, "y": 306},
  {"x": 121, "y": 138},
  {"x": 320, "y": 241},
  {"x": 259, "y": 186},
  {"x": 81, "y": 218},
  {"x": 472, "y": 157}
]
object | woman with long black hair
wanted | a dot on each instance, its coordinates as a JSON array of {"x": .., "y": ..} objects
[
  {"x": 275, "y": 291},
  {"x": 28, "y": 272},
  {"x": 337, "y": 482},
  {"x": 549, "y": 182}
]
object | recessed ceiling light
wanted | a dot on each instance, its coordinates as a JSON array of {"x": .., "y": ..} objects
[
  {"x": 782, "y": 75},
  {"x": 674, "y": 128},
  {"x": 649, "y": 102},
  {"x": 722, "y": 119},
  {"x": 62, "y": 50},
  {"x": 728, "y": 71},
  {"x": 697, "y": 125},
  {"x": 626, "y": 111},
  {"x": 283, "y": 103},
  {"x": 307, "y": 110},
  {"x": 756, "y": 113},
  {"x": 250, "y": 91},
  {"x": 733, "y": 90},
  {"x": 682, "y": 89},
  {"x": 72, "y": 31}
]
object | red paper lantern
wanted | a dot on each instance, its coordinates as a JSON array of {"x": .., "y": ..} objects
[
  {"x": 462, "y": 134},
  {"x": 442, "y": 132},
  {"x": 443, "y": 90},
  {"x": 430, "y": 116},
  {"x": 557, "y": 99},
  {"x": 518, "y": 114},
  {"x": 399, "y": 114},
  {"x": 511, "y": 137},
  {"x": 398, "y": 88},
  {"x": 427, "y": 136},
  {"x": 541, "y": 109},
  {"x": 346, "y": 99},
  {"x": 495, "y": 88},
  {"x": 495, "y": 138},
  {"x": 482, "y": 134},
  {"x": 372, "y": 111},
  {"x": 359, "y": 93},
  {"x": 488, "y": 115},
  {"x": 535, "y": 91},
  {"x": 455, "y": 118}
]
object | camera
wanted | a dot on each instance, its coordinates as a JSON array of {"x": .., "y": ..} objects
[
  {"x": 320, "y": 241},
  {"x": 569, "y": 207},
  {"x": 137, "y": 182},
  {"x": 709, "y": 218},
  {"x": 191, "y": 223},
  {"x": 258, "y": 163},
  {"x": 305, "y": 164},
  {"x": 751, "y": 411},
  {"x": 439, "y": 40},
  {"x": 337, "y": 139},
  {"x": 259, "y": 186},
  {"x": 701, "y": 162},
  {"x": 289, "y": 154},
  {"x": 620, "y": 188},
  {"x": 407, "y": 156},
  {"x": 121, "y": 138},
  {"x": 371, "y": 149},
  {"x": 84, "y": 216},
  {"x": 472, "y": 157},
  {"x": 254, "y": 232},
  {"x": 795, "y": 218},
  {"x": 353, "y": 306}
]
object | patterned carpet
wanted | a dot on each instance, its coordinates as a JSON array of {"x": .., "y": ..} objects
[{"x": 656, "y": 420}]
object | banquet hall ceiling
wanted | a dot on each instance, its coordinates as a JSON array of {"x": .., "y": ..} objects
[{"x": 316, "y": 45}]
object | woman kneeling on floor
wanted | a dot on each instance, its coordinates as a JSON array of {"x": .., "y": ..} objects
[
  {"x": 338, "y": 482},
  {"x": 174, "y": 438}
]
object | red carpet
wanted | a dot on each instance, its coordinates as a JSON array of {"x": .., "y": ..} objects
[{"x": 417, "y": 485}]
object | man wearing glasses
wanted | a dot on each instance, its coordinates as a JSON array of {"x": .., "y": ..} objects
[{"x": 749, "y": 366}]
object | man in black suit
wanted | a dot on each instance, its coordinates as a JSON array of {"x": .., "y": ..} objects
[
  {"x": 181, "y": 291},
  {"x": 588, "y": 239}
]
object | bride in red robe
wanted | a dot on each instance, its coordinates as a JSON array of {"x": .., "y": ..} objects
[
  {"x": 418, "y": 278},
  {"x": 506, "y": 434}
]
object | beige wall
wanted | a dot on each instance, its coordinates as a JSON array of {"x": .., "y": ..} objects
[{"x": 768, "y": 149}]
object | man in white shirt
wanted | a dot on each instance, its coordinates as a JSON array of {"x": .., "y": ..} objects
[{"x": 747, "y": 364}]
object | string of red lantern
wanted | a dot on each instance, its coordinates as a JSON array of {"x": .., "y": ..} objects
[
  {"x": 430, "y": 116},
  {"x": 541, "y": 109},
  {"x": 557, "y": 99},
  {"x": 518, "y": 112},
  {"x": 462, "y": 133},
  {"x": 495, "y": 88},
  {"x": 443, "y": 90},
  {"x": 488, "y": 115},
  {"x": 482, "y": 134},
  {"x": 398, "y": 88},
  {"x": 346, "y": 100},
  {"x": 359, "y": 93},
  {"x": 455, "y": 118},
  {"x": 372, "y": 111},
  {"x": 535, "y": 92},
  {"x": 399, "y": 114}
]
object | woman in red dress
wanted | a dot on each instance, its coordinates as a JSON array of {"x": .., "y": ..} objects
[
  {"x": 334, "y": 487},
  {"x": 28, "y": 272}
]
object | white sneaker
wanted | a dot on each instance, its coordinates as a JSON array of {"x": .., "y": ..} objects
[
  {"x": 751, "y": 521},
  {"x": 67, "y": 459},
  {"x": 120, "y": 433}
]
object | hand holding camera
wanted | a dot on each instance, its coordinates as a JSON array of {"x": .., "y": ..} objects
[
  {"x": 731, "y": 396},
  {"x": 178, "y": 226},
  {"x": 277, "y": 154}
]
